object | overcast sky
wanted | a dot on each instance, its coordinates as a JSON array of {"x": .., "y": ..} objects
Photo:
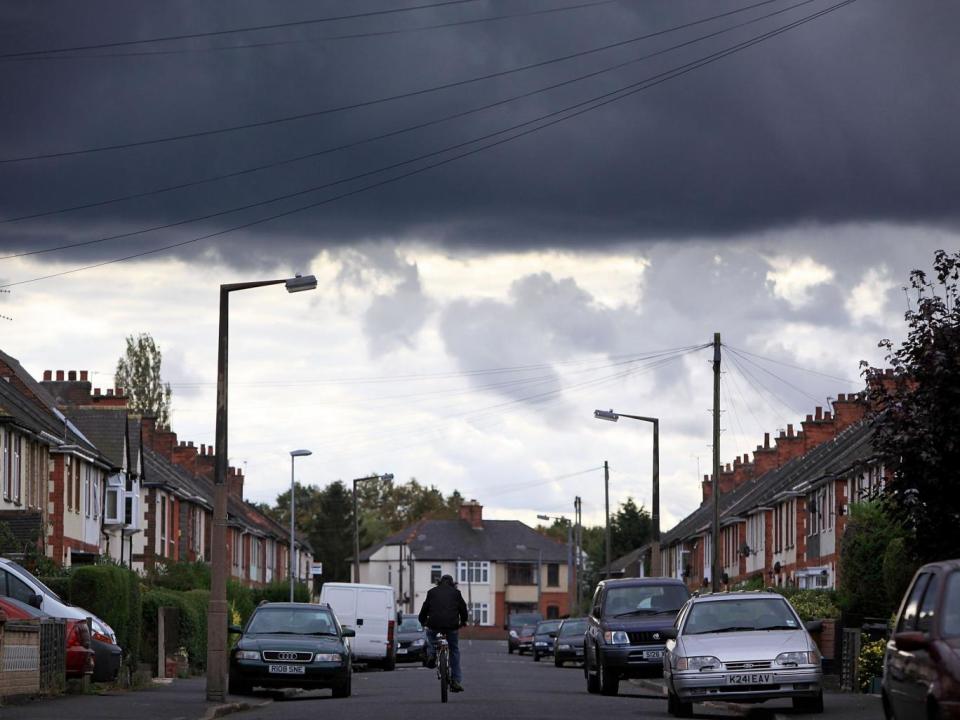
[{"x": 470, "y": 316}]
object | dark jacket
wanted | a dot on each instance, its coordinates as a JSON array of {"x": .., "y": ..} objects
[{"x": 444, "y": 609}]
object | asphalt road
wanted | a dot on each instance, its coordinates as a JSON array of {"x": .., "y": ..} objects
[{"x": 505, "y": 686}]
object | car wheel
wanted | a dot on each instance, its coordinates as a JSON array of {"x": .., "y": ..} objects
[
  {"x": 677, "y": 707},
  {"x": 343, "y": 690},
  {"x": 593, "y": 681},
  {"x": 887, "y": 709},
  {"x": 557, "y": 662},
  {"x": 509, "y": 649},
  {"x": 809, "y": 704},
  {"x": 390, "y": 663},
  {"x": 609, "y": 682},
  {"x": 536, "y": 656},
  {"x": 236, "y": 685}
]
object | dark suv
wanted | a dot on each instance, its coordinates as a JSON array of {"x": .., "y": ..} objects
[{"x": 624, "y": 637}]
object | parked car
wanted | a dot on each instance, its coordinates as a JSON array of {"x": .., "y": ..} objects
[
  {"x": 108, "y": 654},
  {"x": 624, "y": 636},
  {"x": 515, "y": 622},
  {"x": 79, "y": 655},
  {"x": 299, "y": 645},
  {"x": 569, "y": 644},
  {"x": 370, "y": 611},
  {"x": 921, "y": 665},
  {"x": 411, "y": 639},
  {"x": 525, "y": 638},
  {"x": 741, "y": 647},
  {"x": 543, "y": 637}
]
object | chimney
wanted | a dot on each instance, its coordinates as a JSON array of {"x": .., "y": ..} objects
[
  {"x": 707, "y": 487},
  {"x": 109, "y": 392},
  {"x": 472, "y": 512},
  {"x": 848, "y": 410},
  {"x": 818, "y": 429},
  {"x": 764, "y": 457},
  {"x": 235, "y": 483},
  {"x": 47, "y": 375},
  {"x": 71, "y": 375},
  {"x": 59, "y": 375},
  {"x": 83, "y": 376},
  {"x": 148, "y": 430}
]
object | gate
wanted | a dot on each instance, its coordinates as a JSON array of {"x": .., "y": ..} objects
[{"x": 53, "y": 655}]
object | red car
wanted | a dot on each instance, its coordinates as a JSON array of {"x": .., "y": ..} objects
[
  {"x": 79, "y": 653},
  {"x": 921, "y": 667}
]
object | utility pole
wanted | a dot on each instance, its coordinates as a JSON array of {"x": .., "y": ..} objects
[
  {"x": 578, "y": 540},
  {"x": 715, "y": 484},
  {"x": 570, "y": 569},
  {"x": 606, "y": 495}
]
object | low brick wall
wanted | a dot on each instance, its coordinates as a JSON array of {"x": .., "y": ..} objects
[
  {"x": 19, "y": 658},
  {"x": 480, "y": 632}
]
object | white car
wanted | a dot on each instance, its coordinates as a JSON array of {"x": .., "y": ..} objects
[{"x": 741, "y": 647}]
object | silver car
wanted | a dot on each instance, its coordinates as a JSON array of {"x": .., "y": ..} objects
[{"x": 741, "y": 647}]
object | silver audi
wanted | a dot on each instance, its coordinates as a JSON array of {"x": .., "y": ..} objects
[{"x": 741, "y": 647}]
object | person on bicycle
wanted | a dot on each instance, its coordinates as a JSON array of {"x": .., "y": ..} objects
[{"x": 444, "y": 611}]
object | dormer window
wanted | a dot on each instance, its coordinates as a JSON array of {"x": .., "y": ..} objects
[{"x": 114, "y": 505}]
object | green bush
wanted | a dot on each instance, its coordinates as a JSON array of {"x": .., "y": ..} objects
[
  {"x": 814, "y": 604},
  {"x": 181, "y": 575},
  {"x": 871, "y": 662},
  {"x": 899, "y": 565},
  {"x": 60, "y": 584},
  {"x": 240, "y": 601},
  {"x": 190, "y": 624},
  {"x": 869, "y": 533},
  {"x": 279, "y": 591},
  {"x": 112, "y": 593}
]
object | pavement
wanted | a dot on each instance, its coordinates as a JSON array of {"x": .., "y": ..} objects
[{"x": 498, "y": 685}]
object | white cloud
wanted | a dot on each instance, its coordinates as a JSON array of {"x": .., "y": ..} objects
[
  {"x": 868, "y": 299},
  {"x": 793, "y": 279}
]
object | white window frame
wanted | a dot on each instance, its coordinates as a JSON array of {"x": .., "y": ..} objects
[
  {"x": 4, "y": 470},
  {"x": 479, "y": 613},
  {"x": 436, "y": 568},
  {"x": 473, "y": 572},
  {"x": 114, "y": 488},
  {"x": 163, "y": 526},
  {"x": 16, "y": 483}
]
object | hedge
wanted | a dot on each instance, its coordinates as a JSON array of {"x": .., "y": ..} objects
[
  {"x": 112, "y": 593},
  {"x": 190, "y": 629},
  {"x": 60, "y": 584}
]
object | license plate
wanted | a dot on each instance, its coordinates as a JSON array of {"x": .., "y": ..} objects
[
  {"x": 401, "y": 651},
  {"x": 579, "y": 651},
  {"x": 653, "y": 654},
  {"x": 287, "y": 669},
  {"x": 750, "y": 679}
]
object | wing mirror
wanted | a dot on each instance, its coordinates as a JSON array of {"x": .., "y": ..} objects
[
  {"x": 348, "y": 632},
  {"x": 669, "y": 633},
  {"x": 910, "y": 641},
  {"x": 235, "y": 629},
  {"x": 36, "y": 601},
  {"x": 813, "y": 626}
]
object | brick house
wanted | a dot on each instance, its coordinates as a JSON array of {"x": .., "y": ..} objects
[{"x": 501, "y": 566}]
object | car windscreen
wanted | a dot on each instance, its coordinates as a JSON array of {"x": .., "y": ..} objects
[
  {"x": 410, "y": 625},
  {"x": 644, "y": 600},
  {"x": 291, "y": 621},
  {"x": 740, "y": 614},
  {"x": 43, "y": 588},
  {"x": 547, "y": 627},
  {"x": 573, "y": 628},
  {"x": 951, "y": 606},
  {"x": 526, "y": 630},
  {"x": 520, "y": 619}
]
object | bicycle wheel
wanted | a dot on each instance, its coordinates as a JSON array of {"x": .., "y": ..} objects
[{"x": 443, "y": 667}]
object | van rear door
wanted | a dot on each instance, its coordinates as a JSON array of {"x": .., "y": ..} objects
[
  {"x": 373, "y": 614},
  {"x": 343, "y": 600}
]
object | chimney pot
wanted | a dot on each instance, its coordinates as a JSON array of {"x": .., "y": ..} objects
[
  {"x": 790, "y": 431},
  {"x": 119, "y": 392},
  {"x": 766, "y": 440},
  {"x": 828, "y": 416},
  {"x": 818, "y": 413},
  {"x": 47, "y": 375},
  {"x": 203, "y": 449},
  {"x": 727, "y": 466},
  {"x": 109, "y": 392},
  {"x": 59, "y": 375},
  {"x": 84, "y": 374},
  {"x": 746, "y": 458},
  {"x": 96, "y": 391},
  {"x": 809, "y": 418},
  {"x": 72, "y": 375},
  {"x": 841, "y": 397},
  {"x": 706, "y": 478}
]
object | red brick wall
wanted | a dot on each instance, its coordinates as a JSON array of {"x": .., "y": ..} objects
[{"x": 58, "y": 507}]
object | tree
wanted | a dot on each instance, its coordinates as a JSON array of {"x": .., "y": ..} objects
[
  {"x": 917, "y": 413},
  {"x": 629, "y": 528},
  {"x": 138, "y": 373},
  {"x": 869, "y": 532}
]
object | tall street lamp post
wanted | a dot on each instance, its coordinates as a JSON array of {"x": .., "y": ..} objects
[
  {"x": 612, "y": 416},
  {"x": 570, "y": 587},
  {"x": 217, "y": 607},
  {"x": 356, "y": 522},
  {"x": 294, "y": 454}
]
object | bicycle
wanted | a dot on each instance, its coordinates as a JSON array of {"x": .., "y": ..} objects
[{"x": 443, "y": 665}]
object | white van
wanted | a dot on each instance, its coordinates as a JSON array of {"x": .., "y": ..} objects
[{"x": 370, "y": 611}]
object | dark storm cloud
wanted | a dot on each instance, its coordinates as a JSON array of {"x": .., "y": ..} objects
[{"x": 848, "y": 118}]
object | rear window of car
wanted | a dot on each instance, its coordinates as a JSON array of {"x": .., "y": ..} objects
[
  {"x": 411, "y": 625},
  {"x": 573, "y": 628},
  {"x": 740, "y": 614},
  {"x": 644, "y": 600},
  {"x": 951, "y": 606},
  {"x": 291, "y": 621},
  {"x": 546, "y": 627}
]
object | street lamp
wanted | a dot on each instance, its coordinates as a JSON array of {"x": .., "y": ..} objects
[
  {"x": 570, "y": 586},
  {"x": 217, "y": 607},
  {"x": 294, "y": 454},
  {"x": 655, "y": 509},
  {"x": 356, "y": 522}
]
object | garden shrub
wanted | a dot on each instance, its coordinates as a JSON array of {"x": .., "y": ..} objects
[
  {"x": 112, "y": 593},
  {"x": 814, "y": 604},
  {"x": 181, "y": 575},
  {"x": 279, "y": 591},
  {"x": 189, "y": 624},
  {"x": 60, "y": 584},
  {"x": 871, "y": 662}
]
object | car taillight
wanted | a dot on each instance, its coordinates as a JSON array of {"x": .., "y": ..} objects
[{"x": 102, "y": 638}]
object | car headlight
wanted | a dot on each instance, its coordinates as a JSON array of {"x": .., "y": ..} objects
[
  {"x": 698, "y": 662},
  {"x": 327, "y": 657},
  {"x": 247, "y": 655},
  {"x": 513, "y": 633},
  {"x": 616, "y": 637},
  {"x": 417, "y": 643},
  {"x": 789, "y": 659},
  {"x": 566, "y": 647}
]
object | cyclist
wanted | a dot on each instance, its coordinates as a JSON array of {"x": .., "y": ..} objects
[{"x": 444, "y": 611}]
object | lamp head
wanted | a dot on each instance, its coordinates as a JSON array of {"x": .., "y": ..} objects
[
  {"x": 543, "y": 517},
  {"x": 387, "y": 478},
  {"x": 299, "y": 283},
  {"x": 606, "y": 415},
  {"x": 300, "y": 453}
]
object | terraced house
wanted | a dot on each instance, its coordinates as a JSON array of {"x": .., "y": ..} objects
[
  {"x": 84, "y": 477},
  {"x": 783, "y": 512}
]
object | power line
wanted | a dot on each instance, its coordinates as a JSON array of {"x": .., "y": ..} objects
[
  {"x": 774, "y": 375},
  {"x": 762, "y": 390},
  {"x": 558, "y": 117},
  {"x": 326, "y": 38},
  {"x": 795, "y": 367},
  {"x": 423, "y": 91},
  {"x": 233, "y": 31}
]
